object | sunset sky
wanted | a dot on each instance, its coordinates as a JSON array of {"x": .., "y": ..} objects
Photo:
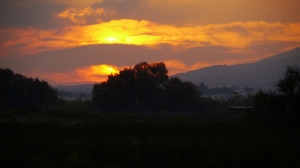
[{"x": 82, "y": 41}]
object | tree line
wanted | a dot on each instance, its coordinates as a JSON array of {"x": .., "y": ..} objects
[
  {"x": 148, "y": 87},
  {"x": 18, "y": 91}
]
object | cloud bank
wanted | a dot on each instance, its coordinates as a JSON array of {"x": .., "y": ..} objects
[
  {"x": 185, "y": 35},
  {"x": 133, "y": 32}
]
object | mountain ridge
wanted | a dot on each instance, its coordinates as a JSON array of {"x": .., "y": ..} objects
[
  {"x": 291, "y": 53},
  {"x": 264, "y": 72}
]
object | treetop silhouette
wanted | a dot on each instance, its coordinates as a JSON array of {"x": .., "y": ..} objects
[
  {"x": 145, "y": 87},
  {"x": 18, "y": 91}
]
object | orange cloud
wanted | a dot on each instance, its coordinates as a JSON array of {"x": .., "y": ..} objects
[
  {"x": 234, "y": 35},
  {"x": 79, "y": 16}
]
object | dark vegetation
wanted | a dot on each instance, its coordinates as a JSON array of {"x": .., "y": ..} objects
[
  {"x": 18, "y": 91},
  {"x": 283, "y": 104},
  {"x": 126, "y": 126},
  {"x": 147, "y": 141},
  {"x": 148, "y": 88},
  {"x": 145, "y": 87},
  {"x": 286, "y": 100}
]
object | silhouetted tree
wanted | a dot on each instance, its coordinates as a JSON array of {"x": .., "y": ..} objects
[
  {"x": 132, "y": 89},
  {"x": 115, "y": 92},
  {"x": 181, "y": 95},
  {"x": 17, "y": 91},
  {"x": 145, "y": 87},
  {"x": 289, "y": 86},
  {"x": 287, "y": 96}
]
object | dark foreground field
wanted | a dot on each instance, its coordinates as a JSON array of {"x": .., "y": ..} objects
[{"x": 102, "y": 140}]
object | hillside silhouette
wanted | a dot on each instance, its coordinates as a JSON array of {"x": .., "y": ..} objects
[{"x": 261, "y": 73}]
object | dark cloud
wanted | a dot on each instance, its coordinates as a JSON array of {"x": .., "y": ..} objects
[
  {"x": 127, "y": 9},
  {"x": 160, "y": 12},
  {"x": 28, "y": 13},
  {"x": 42, "y": 13},
  {"x": 72, "y": 58},
  {"x": 125, "y": 4},
  {"x": 204, "y": 12}
]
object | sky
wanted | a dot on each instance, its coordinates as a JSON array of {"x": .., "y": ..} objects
[{"x": 82, "y": 41}]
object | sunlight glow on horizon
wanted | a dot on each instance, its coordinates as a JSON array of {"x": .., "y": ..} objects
[
  {"x": 94, "y": 72},
  {"x": 99, "y": 73},
  {"x": 89, "y": 74},
  {"x": 103, "y": 69}
]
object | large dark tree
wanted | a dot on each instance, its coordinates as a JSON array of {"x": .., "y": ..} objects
[
  {"x": 287, "y": 96},
  {"x": 17, "y": 91},
  {"x": 181, "y": 95},
  {"x": 145, "y": 87},
  {"x": 289, "y": 86}
]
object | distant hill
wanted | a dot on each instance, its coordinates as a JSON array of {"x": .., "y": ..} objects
[{"x": 264, "y": 72}]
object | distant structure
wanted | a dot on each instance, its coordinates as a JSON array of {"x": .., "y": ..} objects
[
  {"x": 219, "y": 96},
  {"x": 239, "y": 111}
]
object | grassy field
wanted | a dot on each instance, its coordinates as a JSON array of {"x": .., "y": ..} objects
[{"x": 122, "y": 140}]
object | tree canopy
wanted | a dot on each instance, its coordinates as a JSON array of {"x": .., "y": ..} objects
[
  {"x": 17, "y": 91},
  {"x": 289, "y": 85},
  {"x": 145, "y": 87},
  {"x": 287, "y": 96}
]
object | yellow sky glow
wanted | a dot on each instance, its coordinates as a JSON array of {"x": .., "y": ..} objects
[{"x": 98, "y": 70}]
